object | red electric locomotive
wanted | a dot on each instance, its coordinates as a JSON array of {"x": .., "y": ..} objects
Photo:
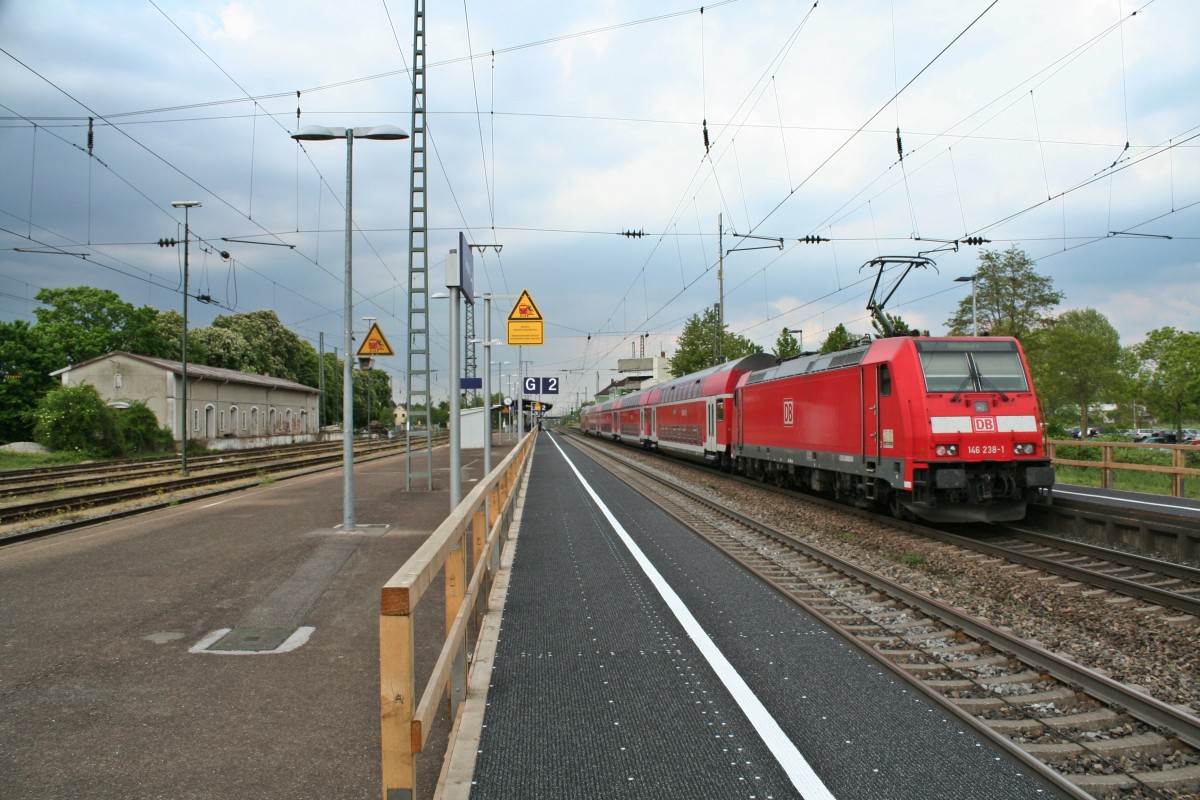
[{"x": 946, "y": 429}]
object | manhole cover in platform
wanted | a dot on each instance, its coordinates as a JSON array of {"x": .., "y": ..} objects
[{"x": 252, "y": 639}]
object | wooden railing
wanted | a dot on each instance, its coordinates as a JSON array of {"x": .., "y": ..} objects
[
  {"x": 485, "y": 516},
  {"x": 1178, "y": 469}
]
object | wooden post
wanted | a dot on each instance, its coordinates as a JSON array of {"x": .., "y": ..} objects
[
  {"x": 456, "y": 590},
  {"x": 397, "y": 690}
]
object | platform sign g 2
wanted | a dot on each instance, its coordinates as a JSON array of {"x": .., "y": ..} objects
[{"x": 541, "y": 385}]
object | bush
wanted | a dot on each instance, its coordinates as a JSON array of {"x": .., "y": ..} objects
[
  {"x": 75, "y": 419},
  {"x": 138, "y": 431}
]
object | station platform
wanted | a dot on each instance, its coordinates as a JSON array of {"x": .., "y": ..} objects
[{"x": 635, "y": 660}]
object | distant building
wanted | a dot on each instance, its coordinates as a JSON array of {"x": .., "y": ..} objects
[
  {"x": 222, "y": 404},
  {"x": 639, "y": 373}
]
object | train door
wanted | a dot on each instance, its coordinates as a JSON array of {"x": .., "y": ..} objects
[
  {"x": 891, "y": 423},
  {"x": 870, "y": 406},
  {"x": 710, "y": 432},
  {"x": 738, "y": 433}
]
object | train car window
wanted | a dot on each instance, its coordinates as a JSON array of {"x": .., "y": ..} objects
[
  {"x": 885, "y": 381},
  {"x": 721, "y": 410},
  {"x": 972, "y": 366},
  {"x": 946, "y": 372},
  {"x": 1000, "y": 372}
]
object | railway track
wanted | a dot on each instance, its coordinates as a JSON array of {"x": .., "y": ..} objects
[
  {"x": 26, "y": 482},
  {"x": 39, "y": 502},
  {"x": 1167, "y": 584},
  {"x": 1089, "y": 735}
]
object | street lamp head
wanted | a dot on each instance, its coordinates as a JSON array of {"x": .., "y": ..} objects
[
  {"x": 380, "y": 132},
  {"x": 317, "y": 133},
  {"x": 185, "y": 203},
  {"x": 964, "y": 279}
]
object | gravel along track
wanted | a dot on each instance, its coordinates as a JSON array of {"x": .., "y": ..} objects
[{"x": 1134, "y": 644}]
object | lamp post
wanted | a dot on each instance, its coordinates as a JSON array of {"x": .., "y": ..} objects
[
  {"x": 370, "y": 321},
  {"x": 319, "y": 133},
  {"x": 185, "y": 205},
  {"x": 500, "y": 385},
  {"x": 455, "y": 343},
  {"x": 974, "y": 318},
  {"x": 487, "y": 389}
]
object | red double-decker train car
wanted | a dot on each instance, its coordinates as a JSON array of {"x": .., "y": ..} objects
[
  {"x": 688, "y": 417},
  {"x": 944, "y": 429}
]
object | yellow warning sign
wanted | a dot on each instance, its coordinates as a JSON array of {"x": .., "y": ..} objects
[
  {"x": 525, "y": 309},
  {"x": 525, "y": 322},
  {"x": 375, "y": 344}
]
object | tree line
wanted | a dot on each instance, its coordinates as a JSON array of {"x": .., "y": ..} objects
[
  {"x": 76, "y": 324},
  {"x": 1075, "y": 356}
]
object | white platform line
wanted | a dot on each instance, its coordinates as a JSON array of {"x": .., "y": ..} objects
[
  {"x": 789, "y": 757},
  {"x": 298, "y": 638}
]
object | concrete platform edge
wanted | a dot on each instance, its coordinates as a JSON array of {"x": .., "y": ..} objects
[{"x": 458, "y": 768}]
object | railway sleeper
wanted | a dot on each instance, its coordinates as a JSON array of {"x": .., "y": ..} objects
[
  {"x": 976, "y": 705},
  {"x": 1183, "y": 778},
  {"x": 1138, "y": 745}
]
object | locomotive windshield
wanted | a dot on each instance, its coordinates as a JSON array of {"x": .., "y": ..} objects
[{"x": 976, "y": 366}]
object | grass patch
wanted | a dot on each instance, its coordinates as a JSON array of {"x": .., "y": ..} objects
[
  {"x": 33, "y": 460},
  {"x": 912, "y": 559},
  {"x": 1126, "y": 480}
]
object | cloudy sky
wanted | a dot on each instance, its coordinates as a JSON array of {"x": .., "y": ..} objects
[{"x": 1069, "y": 129}]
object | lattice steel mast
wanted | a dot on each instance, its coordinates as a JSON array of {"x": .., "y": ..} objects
[{"x": 419, "y": 383}]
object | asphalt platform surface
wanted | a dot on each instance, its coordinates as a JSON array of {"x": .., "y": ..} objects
[
  {"x": 118, "y": 678},
  {"x": 636, "y": 661}
]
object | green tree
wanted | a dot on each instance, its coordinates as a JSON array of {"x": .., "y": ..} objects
[
  {"x": 83, "y": 323},
  {"x": 75, "y": 418},
  {"x": 257, "y": 342},
  {"x": 1077, "y": 359},
  {"x": 697, "y": 345},
  {"x": 786, "y": 345},
  {"x": 1011, "y": 298},
  {"x": 373, "y": 385},
  {"x": 838, "y": 339},
  {"x": 1169, "y": 374},
  {"x": 26, "y": 361}
]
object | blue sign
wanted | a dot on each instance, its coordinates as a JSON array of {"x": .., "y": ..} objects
[
  {"x": 470, "y": 383},
  {"x": 541, "y": 385}
]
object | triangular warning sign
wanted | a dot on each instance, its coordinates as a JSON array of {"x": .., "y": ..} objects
[
  {"x": 525, "y": 309},
  {"x": 375, "y": 344}
]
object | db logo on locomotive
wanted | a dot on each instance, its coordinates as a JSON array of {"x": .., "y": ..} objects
[{"x": 985, "y": 424}]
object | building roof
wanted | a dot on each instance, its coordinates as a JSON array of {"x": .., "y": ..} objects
[{"x": 199, "y": 371}]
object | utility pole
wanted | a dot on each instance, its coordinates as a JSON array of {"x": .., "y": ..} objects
[{"x": 720, "y": 288}]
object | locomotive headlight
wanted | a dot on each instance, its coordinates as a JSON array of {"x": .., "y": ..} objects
[
  {"x": 1026, "y": 449},
  {"x": 946, "y": 450}
]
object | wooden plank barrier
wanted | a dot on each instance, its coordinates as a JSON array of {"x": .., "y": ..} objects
[
  {"x": 1177, "y": 470},
  {"x": 481, "y": 521}
]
